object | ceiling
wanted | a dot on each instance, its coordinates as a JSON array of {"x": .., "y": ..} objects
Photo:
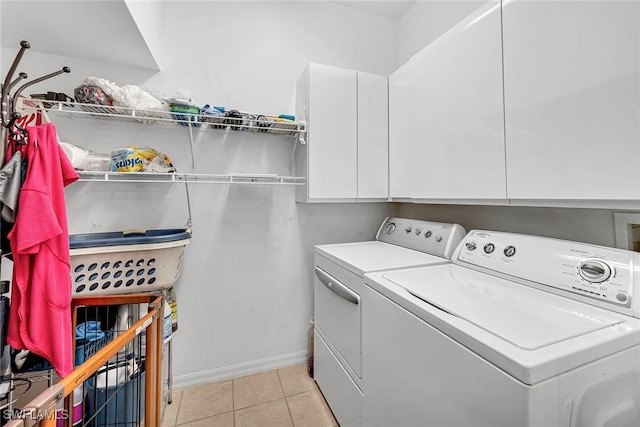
[
  {"x": 48, "y": 28},
  {"x": 46, "y": 25},
  {"x": 388, "y": 9}
]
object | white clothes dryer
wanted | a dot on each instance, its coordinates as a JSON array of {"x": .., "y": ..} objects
[
  {"x": 338, "y": 286},
  {"x": 517, "y": 331}
]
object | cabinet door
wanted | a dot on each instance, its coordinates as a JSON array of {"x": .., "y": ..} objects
[
  {"x": 458, "y": 117},
  {"x": 373, "y": 137},
  {"x": 400, "y": 127},
  {"x": 332, "y": 133},
  {"x": 572, "y": 97}
]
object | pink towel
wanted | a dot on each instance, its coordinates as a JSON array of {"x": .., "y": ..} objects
[{"x": 40, "y": 312}]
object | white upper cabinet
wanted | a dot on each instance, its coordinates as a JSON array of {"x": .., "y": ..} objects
[
  {"x": 373, "y": 136},
  {"x": 345, "y": 157},
  {"x": 326, "y": 97},
  {"x": 572, "y": 98},
  {"x": 457, "y": 129},
  {"x": 400, "y": 130}
]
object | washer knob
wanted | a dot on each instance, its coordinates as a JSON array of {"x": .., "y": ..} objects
[
  {"x": 438, "y": 238},
  {"x": 489, "y": 247},
  {"x": 471, "y": 246},
  {"x": 407, "y": 229},
  {"x": 594, "y": 270},
  {"x": 427, "y": 234},
  {"x": 510, "y": 251},
  {"x": 391, "y": 227},
  {"x": 418, "y": 231}
]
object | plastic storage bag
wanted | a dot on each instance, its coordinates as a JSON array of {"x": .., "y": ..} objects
[
  {"x": 83, "y": 159},
  {"x": 140, "y": 159}
]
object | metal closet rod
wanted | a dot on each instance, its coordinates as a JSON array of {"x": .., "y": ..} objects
[{"x": 8, "y": 113}]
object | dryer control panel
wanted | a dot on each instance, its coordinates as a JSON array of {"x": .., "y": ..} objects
[
  {"x": 434, "y": 238},
  {"x": 599, "y": 275}
]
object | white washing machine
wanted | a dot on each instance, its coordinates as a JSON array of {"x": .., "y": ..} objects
[
  {"x": 338, "y": 301},
  {"x": 517, "y": 331}
]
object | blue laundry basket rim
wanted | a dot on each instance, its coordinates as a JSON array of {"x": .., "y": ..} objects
[{"x": 91, "y": 240}]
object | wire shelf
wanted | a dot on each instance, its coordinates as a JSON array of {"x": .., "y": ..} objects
[
  {"x": 258, "y": 123},
  {"x": 197, "y": 178}
]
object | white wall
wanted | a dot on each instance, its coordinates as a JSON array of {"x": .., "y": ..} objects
[
  {"x": 147, "y": 16},
  {"x": 36, "y": 64},
  {"x": 248, "y": 55},
  {"x": 427, "y": 20},
  {"x": 593, "y": 226},
  {"x": 245, "y": 295}
]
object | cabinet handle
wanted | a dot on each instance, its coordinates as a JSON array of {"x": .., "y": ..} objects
[{"x": 336, "y": 287}]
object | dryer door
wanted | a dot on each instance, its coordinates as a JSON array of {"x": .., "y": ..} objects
[{"x": 337, "y": 313}]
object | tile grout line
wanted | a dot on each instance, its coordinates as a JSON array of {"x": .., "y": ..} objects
[
  {"x": 272, "y": 400},
  {"x": 175, "y": 421},
  {"x": 233, "y": 401},
  {"x": 266, "y": 401},
  {"x": 210, "y": 416},
  {"x": 205, "y": 418},
  {"x": 286, "y": 402}
]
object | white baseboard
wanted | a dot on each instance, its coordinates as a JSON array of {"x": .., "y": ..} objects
[{"x": 239, "y": 370}]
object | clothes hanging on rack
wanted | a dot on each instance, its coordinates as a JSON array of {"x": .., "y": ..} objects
[
  {"x": 32, "y": 113},
  {"x": 40, "y": 314},
  {"x": 12, "y": 176},
  {"x": 10, "y": 183}
]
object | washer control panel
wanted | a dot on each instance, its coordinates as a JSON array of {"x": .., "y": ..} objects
[
  {"x": 592, "y": 272},
  {"x": 435, "y": 238}
]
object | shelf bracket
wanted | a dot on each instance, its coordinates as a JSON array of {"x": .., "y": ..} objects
[
  {"x": 299, "y": 140},
  {"x": 193, "y": 159},
  {"x": 186, "y": 190}
]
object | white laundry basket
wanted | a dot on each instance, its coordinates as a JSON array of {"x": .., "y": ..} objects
[{"x": 126, "y": 262}]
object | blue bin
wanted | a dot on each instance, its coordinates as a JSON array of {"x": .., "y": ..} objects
[
  {"x": 86, "y": 349},
  {"x": 119, "y": 405}
]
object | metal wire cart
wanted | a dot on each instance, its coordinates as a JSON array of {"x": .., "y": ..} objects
[
  {"x": 119, "y": 385},
  {"x": 120, "y": 338}
]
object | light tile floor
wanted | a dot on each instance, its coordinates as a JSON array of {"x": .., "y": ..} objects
[{"x": 283, "y": 397}]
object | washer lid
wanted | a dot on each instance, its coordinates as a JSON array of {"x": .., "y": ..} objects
[
  {"x": 525, "y": 317},
  {"x": 364, "y": 257}
]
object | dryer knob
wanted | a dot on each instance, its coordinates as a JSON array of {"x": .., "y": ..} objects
[
  {"x": 427, "y": 234},
  {"x": 391, "y": 227},
  {"x": 595, "y": 270},
  {"x": 407, "y": 229},
  {"x": 510, "y": 251},
  {"x": 471, "y": 246}
]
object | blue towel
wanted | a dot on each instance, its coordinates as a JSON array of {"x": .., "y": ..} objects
[
  {"x": 214, "y": 111},
  {"x": 89, "y": 331}
]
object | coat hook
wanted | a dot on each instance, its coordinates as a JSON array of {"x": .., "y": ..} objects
[{"x": 40, "y": 79}]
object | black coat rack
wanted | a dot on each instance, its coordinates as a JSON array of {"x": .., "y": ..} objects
[{"x": 9, "y": 99}]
